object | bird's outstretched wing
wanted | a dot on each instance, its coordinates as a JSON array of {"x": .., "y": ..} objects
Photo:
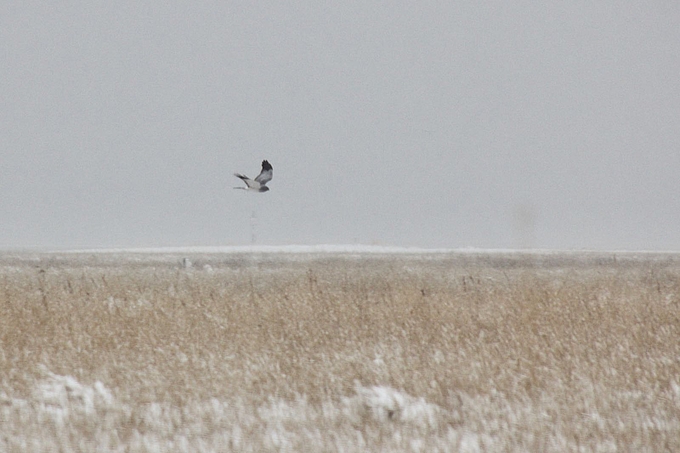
[
  {"x": 249, "y": 182},
  {"x": 266, "y": 174}
]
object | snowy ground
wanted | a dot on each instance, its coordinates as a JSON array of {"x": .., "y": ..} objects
[{"x": 339, "y": 349}]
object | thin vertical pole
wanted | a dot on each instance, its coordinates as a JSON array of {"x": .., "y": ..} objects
[{"x": 253, "y": 227}]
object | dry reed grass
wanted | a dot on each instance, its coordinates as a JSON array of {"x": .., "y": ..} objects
[{"x": 339, "y": 353}]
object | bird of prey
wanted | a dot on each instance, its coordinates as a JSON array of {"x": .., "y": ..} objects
[{"x": 259, "y": 184}]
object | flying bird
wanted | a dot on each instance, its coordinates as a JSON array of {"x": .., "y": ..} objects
[{"x": 259, "y": 184}]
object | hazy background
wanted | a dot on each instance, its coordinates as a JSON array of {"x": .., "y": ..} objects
[{"x": 431, "y": 124}]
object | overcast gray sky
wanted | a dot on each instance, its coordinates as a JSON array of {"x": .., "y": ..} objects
[{"x": 431, "y": 124}]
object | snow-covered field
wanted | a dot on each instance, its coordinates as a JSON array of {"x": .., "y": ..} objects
[{"x": 332, "y": 348}]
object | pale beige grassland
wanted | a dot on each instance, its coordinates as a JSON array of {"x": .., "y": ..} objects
[{"x": 339, "y": 352}]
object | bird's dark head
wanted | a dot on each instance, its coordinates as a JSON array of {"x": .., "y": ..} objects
[{"x": 263, "y": 189}]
